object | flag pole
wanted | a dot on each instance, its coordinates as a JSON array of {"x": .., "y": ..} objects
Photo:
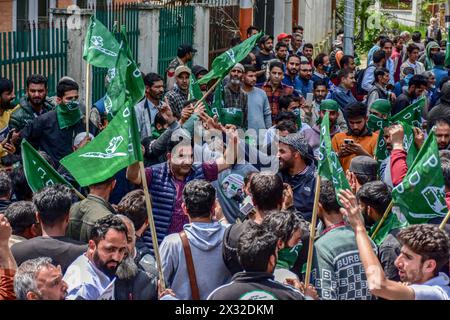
[
  {"x": 151, "y": 222},
  {"x": 444, "y": 222},
  {"x": 86, "y": 99},
  {"x": 206, "y": 94},
  {"x": 312, "y": 233},
  {"x": 386, "y": 213},
  {"x": 79, "y": 194}
]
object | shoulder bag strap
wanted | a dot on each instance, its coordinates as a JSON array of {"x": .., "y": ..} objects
[{"x": 190, "y": 266}]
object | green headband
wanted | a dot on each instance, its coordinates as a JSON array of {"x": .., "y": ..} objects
[
  {"x": 329, "y": 104},
  {"x": 382, "y": 106}
]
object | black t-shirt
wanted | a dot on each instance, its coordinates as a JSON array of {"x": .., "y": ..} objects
[
  {"x": 261, "y": 63},
  {"x": 61, "y": 250}
]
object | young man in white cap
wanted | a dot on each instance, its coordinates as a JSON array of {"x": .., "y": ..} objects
[{"x": 179, "y": 94}]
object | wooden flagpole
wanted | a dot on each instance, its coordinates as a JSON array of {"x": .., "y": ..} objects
[
  {"x": 78, "y": 194},
  {"x": 383, "y": 219},
  {"x": 151, "y": 221},
  {"x": 86, "y": 99},
  {"x": 206, "y": 94},
  {"x": 312, "y": 233},
  {"x": 444, "y": 222}
]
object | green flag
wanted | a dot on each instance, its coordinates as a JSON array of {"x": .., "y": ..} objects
[
  {"x": 38, "y": 171},
  {"x": 376, "y": 123},
  {"x": 411, "y": 114},
  {"x": 389, "y": 224},
  {"x": 408, "y": 143},
  {"x": 421, "y": 196},
  {"x": 381, "y": 152},
  {"x": 227, "y": 60},
  {"x": 115, "y": 148},
  {"x": 125, "y": 80},
  {"x": 329, "y": 166},
  {"x": 232, "y": 116},
  {"x": 194, "y": 89},
  {"x": 447, "y": 49},
  {"x": 100, "y": 46}
]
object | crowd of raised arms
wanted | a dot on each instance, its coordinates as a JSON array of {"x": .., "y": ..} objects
[{"x": 240, "y": 217}]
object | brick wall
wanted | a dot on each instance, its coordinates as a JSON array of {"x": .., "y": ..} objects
[
  {"x": 63, "y": 3},
  {"x": 6, "y": 20}
]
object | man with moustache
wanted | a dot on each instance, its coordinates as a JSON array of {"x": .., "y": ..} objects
[
  {"x": 92, "y": 275},
  {"x": 147, "y": 109},
  {"x": 291, "y": 75},
  {"x": 234, "y": 97},
  {"x": 442, "y": 133},
  {"x": 297, "y": 169}
]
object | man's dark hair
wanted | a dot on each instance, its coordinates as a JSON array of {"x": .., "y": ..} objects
[
  {"x": 64, "y": 86},
  {"x": 5, "y": 184},
  {"x": 283, "y": 224},
  {"x": 397, "y": 39},
  {"x": 150, "y": 79},
  {"x": 438, "y": 58},
  {"x": 267, "y": 191},
  {"x": 416, "y": 36},
  {"x": 327, "y": 197},
  {"x": 346, "y": 60},
  {"x": 319, "y": 59},
  {"x": 20, "y": 186},
  {"x": 250, "y": 29},
  {"x": 319, "y": 82},
  {"x": 418, "y": 80},
  {"x": 285, "y": 116},
  {"x": 287, "y": 125},
  {"x": 255, "y": 247},
  {"x": 296, "y": 56},
  {"x": 21, "y": 215},
  {"x": 104, "y": 182},
  {"x": 379, "y": 72},
  {"x": 199, "y": 197},
  {"x": 384, "y": 41},
  {"x": 344, "y": 73},
  {"x": 281, "y": 45},
  {"x": 445, "y": 164},
  {"x": 308, "y": 45},
  {"x": 411, "y": 47},
  {"x": 428, "y": 241},
  {"x": 376, "y": 194},
  {"x": 159, "y": 119},
  {"x": 6, "y": 85},
  {"x": 378, "y": 56},
  {"x": 103, "y": 225},
  {"x": 249, "y": 68},
  {"x": 285, "y": 101},
  {"x": 356, "y": 110},
  {"x": 276, "y": 64},
  {"x": 443, "y": 81},
  {"x": 247, "y": 60},
  {"x": 133, "y": 206},
  {"x": 53, "y": 203},
  {"x": 296, "y": 28},
  {"x": 235, "y": 41},
  {"x": 36, "y": 79}
]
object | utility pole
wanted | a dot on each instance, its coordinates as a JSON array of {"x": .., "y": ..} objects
[
  {"x": 245, "y": 16},
  {"x": 349, "y": 26}
]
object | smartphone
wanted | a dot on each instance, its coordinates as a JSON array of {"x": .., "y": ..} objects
[
  {"x": 348, "y": 141},
  {"x": 309, "y": 98}
]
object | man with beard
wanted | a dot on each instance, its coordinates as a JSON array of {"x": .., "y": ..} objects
[
  {"x": 291, "y": 75},
  {"x": 133, "y": 283},
  {"x": 147, "y": 109},
  {"x": 178, "y": 96},
  {"x": 92, "y": 275},
  {"x": 359, "y": 140},
  {"x": 343, "y": 92},
  {"x": 7, "y": 96},
  {"x": 166, "y": 180},
  {"x": 308, "y": 50},
  {"x": 234, "y": 97},
  {"x": 310, "y": 113},
  {"x": 297, "y": 170},
  {"x": 425, "y": 250},
  {"x": 312, "y": 135},
  {"x": 374, "y": 198},
  {"x": 442, "y": 133},
  {"x": 258, "y": 108},
  {"x": 33, "y": 104},
  {"x": 281, "y": 52},
  {"x": 54, "y": 131},
  {"x": 305, "y": 75},
  {"x": 322, "y": 68},
  {"x": 264, "y": 56}
]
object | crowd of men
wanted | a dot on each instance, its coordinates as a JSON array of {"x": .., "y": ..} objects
[{"x": 232, "y": 230}]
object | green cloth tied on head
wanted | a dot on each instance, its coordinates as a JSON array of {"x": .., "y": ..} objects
[
  {"x": 382, "y": 106},
  {"x": 329, "y": 104},
  {"x": 68, "y": 114}
]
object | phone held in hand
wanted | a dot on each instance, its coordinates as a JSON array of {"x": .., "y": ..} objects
[
  {"x": 309, "y": 98},
  {"x": 348, "y": 141}
]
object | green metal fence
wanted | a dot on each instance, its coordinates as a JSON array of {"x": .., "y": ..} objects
[
  {"x": 176, "y": 26},
  {"x": 36, "y": 50},
  {"x": 113, "y": 16}
]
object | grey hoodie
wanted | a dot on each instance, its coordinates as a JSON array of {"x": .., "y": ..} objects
[{"x": 205, "y": 240}]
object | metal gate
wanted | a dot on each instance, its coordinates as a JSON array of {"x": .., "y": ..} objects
[
  {"x": 113, "y": 16},
  {"x": 264, "y": 15},
  {"x": 176, "y": 26},
  {"x": 34, "y": 50}
]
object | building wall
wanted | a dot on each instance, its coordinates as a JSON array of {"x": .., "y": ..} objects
[
  {"x": 64, "y": 3},
  {"x": 6, "y": 8}
]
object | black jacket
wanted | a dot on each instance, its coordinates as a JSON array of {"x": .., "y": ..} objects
[
  {"x": 255, "y": 286},
  {"x": 141, "y": 287}
]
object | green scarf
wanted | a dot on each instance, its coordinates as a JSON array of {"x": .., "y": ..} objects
[
  {"x": 389, "y": 224},
  {"x": 288, "y": 256},
  {"x": 68, "y": 114}
]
